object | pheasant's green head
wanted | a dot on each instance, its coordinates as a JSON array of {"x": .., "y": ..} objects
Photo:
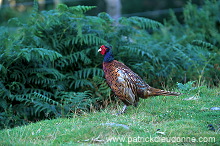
[{"x": 107, "y": 52}]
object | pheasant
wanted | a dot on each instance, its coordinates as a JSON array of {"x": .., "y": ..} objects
[{"x": 126, "y": 84}]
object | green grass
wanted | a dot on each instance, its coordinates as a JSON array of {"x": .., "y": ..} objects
[{"x": 181, "y": 120}]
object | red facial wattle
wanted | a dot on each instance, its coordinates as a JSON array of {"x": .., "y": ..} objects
[{"x": 102, "y": 50}]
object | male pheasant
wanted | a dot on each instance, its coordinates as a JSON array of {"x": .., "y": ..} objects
[{"x": 126, "y": 84}]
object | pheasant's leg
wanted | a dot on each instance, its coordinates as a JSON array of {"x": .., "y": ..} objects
[{"x": 123, "y": 110}]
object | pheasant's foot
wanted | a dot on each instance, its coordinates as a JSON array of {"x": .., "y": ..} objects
[{"x": 122, "y": 111}]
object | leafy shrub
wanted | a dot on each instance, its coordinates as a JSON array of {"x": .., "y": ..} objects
[
  {"x": 47, "y": 66},
  {"x": 186, "y": 87},
  {"x": 199, "y": 35},
  {"x": 50, "y": 66}
]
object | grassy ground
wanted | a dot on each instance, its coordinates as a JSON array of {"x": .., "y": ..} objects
[{"x": 156, "y": 121}]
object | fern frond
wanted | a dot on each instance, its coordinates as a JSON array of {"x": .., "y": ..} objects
[
  {"x": 74, "y": 58},
  {"x": 40, "y": 91},
  {"x": 79, "y": 78},
  {"x": 16, "y": 87},
  {"x": 80, "y": 9},
  {"x": 24, "y": 110},
  {"x": 39, "y": 53},
  {"x": 21, "y": 97},
  {"x": 84, "y": 73},
  {"x": 3, "y": 91},
  {"x": 88, "y": 39},
  {"x": 38, "y": 100},
  {"x": 203, "y": 44},
  {"x": 140, "y": 22},
  {"x": 105, "y": 16},
  {"x": 18, "y": 74},
  {"x": 44, "y": 107},
  {"x": 182, "y": 54},
  {"x": 101, "y": 86},
  {"x": 45, "y": 98},
  {"x": 75, "y": 100},
  {"x": 40, "y": 79},
  {"x": 62, "y": 7},
  {"x": 137, "y": 49},
  {"x": 68, "y": 96},
  {"x": 80, "y": 83},
  {"x": 92, "y": 39},
  {"x": 36, "y": 7},
  {"x": 3, "y": 103},
  {"x": 48, "y": 72},
  {"x": 3, "y": 70}
]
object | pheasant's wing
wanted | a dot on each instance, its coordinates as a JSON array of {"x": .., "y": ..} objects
[
  {"x": 131, "y": 84},
  {"x": 127, "y": 87},
  {"x": 126, "y": 84}
]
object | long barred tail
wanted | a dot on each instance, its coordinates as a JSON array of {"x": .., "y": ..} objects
[{"x": 156, "y": 92}]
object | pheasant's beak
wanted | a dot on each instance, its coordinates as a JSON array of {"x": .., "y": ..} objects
[{"x": 99, "y": 50}]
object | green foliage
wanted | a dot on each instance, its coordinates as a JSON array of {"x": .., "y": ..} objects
[
  {"x": 142, "y": 23},
  {"x": 187, "y": 86},
  {"x": 47, "y": 66},
  {"x": 199, "y": 36},
  {"x": 50, "y": 66}
]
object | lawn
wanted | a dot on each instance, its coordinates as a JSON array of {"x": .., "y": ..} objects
[{"x": 157, "y": 120}]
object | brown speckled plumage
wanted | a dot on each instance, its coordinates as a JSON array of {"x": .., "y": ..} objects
[{"x": 126, "y": 84}]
